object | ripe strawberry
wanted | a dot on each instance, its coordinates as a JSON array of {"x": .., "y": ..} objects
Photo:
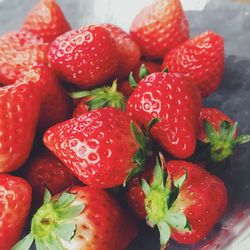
[
  {"x": 46, "y": 171},
  {"x": 200, "y": 59},
  {"x": 82, "y": 218},
  {"x": 86, "y": 56},
  {"x": 81, "y": 108},
  {"x": 15, "y": 199},
  {"x": 125, "y": 86},
  {"x": 98, "y": 98},
  {"x": 186, "y": 205},
  {"x": 220, "y": 132},
  {"x": 20, "y": 105},
  {"x": 56, "y": 106},
  {"x": 46, "y": 20},
  {"x": 173, "y": 100},
  {"x": 128, "y": 51},
  {"x": 99, "y": 147},
  {"x": 160, "y": 27},
  {"x": 19, "y": 51},
  {"x": 134, "y": 194}
]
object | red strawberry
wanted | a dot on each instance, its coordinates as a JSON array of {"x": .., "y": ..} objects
[
  {"x": 15, "y": 199},
  {"x": 83, "y": 218},
  {"x": 187, "y": 205},
  {"x": 45, "y": 170},
  {"x": 46, "y": 20},
  {"x": 173, "y": 100},
  {"x": 220, "y": 132},
  {"x": 20, "y": 105},
  {"x": 200, "y": 59},
  {"x": 86, "y": 56},
  {"x": 128, "y": 51},
  {"x": 134, "y": 194},
  {"x": 160, "y": 27},
  {"x": 81, "y": 108},
  {"x": 98, "y": 98},
  {"x": 56, "y": 105},
  {"x": 125, "y": 86},
  {"x": 99, "y": 147},
  {"x": 18, "y": 53}
]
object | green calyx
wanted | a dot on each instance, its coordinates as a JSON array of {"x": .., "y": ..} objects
[
  {"x": 102, "y": 97},
  {"x": 143, "y": 72},
  {"x": 223, "y": 143},
  {"x": 52, "y": 223},
  {"x": 159, "y": 201},
  {"x": 144, "y": 141}
]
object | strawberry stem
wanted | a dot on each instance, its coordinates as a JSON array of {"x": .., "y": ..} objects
[
  {"x": 223, "y": 143},
  {"x": 102, "y": 97}
]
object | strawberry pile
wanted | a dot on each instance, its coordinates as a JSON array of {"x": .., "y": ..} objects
[{"x": 98, "y": 128}]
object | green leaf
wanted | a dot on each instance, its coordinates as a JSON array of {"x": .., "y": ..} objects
[
  {"x": 241, "y": 139},
  {"x": 152, "y": 122},
  {"x": 70, "y": 212},
  {"x": 102, "y": 97},
  {"x": 177, "y": 220},
  {"x": 25, "y": 243},
  {"x": 65, "y": 231},
  {"x": 232, "y": 130},
  {"x": 52, "y": 243},
  {"x": 79, "y": 94},
  {"x": 165, "y": 233},
  {"x": 140, "y": 137},
  {"x": 139, "y": 157},
  {"x": 132, "y": 81},
  {"x": 132, "y": 173},
  {"x": 143, "y": 72},
  {"x": 182, "y": 179},
  {"x": 40, "y": 245},
  {"x": 224, "y": 130},
  {"x": 145, "y": 186},
  {"x": 165, "y": 70},
  {"x": 210, "y": 130},
  {"x": 172, "y": 196},
  {"x": 47, "y": 196},
  {"x": 158, "y": 181},
  {"x": 64, "y": 200}
]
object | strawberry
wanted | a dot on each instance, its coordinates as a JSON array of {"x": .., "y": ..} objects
[
  {"x": 46, "y": 171},
  {"x": 98, "y": 98},
  {"x": 55, "y": 105},
  {"x": 20, "y": 105},
  {"x": 220, "y": 132},
  {"x": 128, "y": 51},
  {"x": 19, "y": 51},
  {"x": 46, "y": 20},
  {"x": 15, "y": 199},
  {"x": 186, "y": 205},
  {"x": 134, "y": 195},
  {"x": 99, "y": 147},
  {"x": 160, "y": 27},
  {"x": 200, "y": 59},
  {"x": 81, "y": 108},
  {"x": 173, "y": 100},
  {"x": 82, "y": 218},
  {"x": 125, "y": 86},
  {"x": 86, "y": 56}
]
